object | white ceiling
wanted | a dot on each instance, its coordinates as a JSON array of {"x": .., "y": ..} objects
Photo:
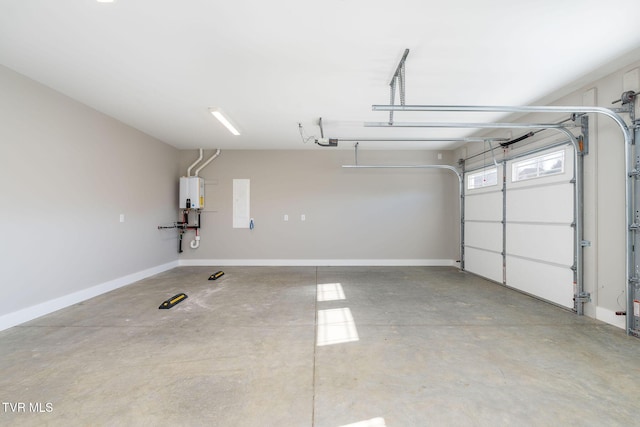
[{"x": 158, "y": 65}]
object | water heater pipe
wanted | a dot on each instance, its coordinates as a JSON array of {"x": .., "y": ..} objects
[
  {"x": 195, "y": 163},
  {"x": 195, "y": 243},
  {"x": 217, "y": 153}
]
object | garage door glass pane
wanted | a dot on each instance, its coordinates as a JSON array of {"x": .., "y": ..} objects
[
  {"x": 484, "y": 178},
  {"x": 536, "y": 167}
]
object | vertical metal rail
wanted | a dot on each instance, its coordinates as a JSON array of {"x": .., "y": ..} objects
[
  {"x": 462, "y": 212},
  {"x": 633, "y": 322},
  {"x": 504, "y": 221},
  {"x": 579, "y": 295},
  {"x": 580, "y": 151}
]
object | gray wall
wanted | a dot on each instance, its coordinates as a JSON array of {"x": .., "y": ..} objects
[
  {"x": 378, "y": 214},
  {"x": 67, "y": 172},
  {"x": 604, "y": 205}
]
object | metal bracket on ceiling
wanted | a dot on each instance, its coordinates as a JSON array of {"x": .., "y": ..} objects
[{"x": 398, "y": 80}]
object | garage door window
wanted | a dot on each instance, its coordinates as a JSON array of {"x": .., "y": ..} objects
[
  {"x": 537, "y": 167},
  {"x": 484, "y": 178}
]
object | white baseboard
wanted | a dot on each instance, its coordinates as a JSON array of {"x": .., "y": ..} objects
[
  {"x": 610, "y": 317},
  {"x": 319, "y": 262},
  {"x": 21, "y": 316}
]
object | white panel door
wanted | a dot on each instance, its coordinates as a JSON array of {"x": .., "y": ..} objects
[
  {"x": 483, "y": 225},
  {"x": 537, "y": 238},
  {"x": 539, "y": 233}
]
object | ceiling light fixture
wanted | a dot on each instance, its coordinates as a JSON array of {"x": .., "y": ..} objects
[{"x": 218, "y": 114}]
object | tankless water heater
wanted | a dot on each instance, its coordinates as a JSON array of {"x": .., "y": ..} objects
[{"x": 191, "y": 192}]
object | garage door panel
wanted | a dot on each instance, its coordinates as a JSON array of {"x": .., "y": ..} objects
[
  {"x": 484, "y": 235},
  {"x": 538, "y": 213},
  {"x": 483, "y": 263},
  {"x": 549, "y": 282},
  {"x": 484, "y": 206},
  {"x": 540, "y": 239},
  {"x": 551, "y": 243},
  {"x": 553, "y": 203}
]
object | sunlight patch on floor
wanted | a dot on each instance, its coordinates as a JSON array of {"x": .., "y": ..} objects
[
  {"x": 374, "y": 422},
  {"x": 330, "y": 292},
  {"x": 336, "y": 326}
]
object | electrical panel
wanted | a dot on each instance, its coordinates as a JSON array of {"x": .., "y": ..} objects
[{"x": 191, "y": 192}]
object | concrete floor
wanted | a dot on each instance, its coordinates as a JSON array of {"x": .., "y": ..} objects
[{"x": 434, "y": 347}]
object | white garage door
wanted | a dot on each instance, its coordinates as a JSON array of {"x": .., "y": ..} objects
[
  {"x": 483, "y": 243},
  {"x": 537, "y": 240}
]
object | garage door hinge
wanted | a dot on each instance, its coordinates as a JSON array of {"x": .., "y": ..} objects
[
  {"x": 634, "y": 280},
  {"x": 582, "y": 297},
  {"x": 585, "y": 243},
  {"x": 634, "y": 226},
  {"x": 634, "y": 173}
]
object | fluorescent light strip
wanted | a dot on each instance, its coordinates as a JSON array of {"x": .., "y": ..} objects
[{"x": 222, "y": 119}]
